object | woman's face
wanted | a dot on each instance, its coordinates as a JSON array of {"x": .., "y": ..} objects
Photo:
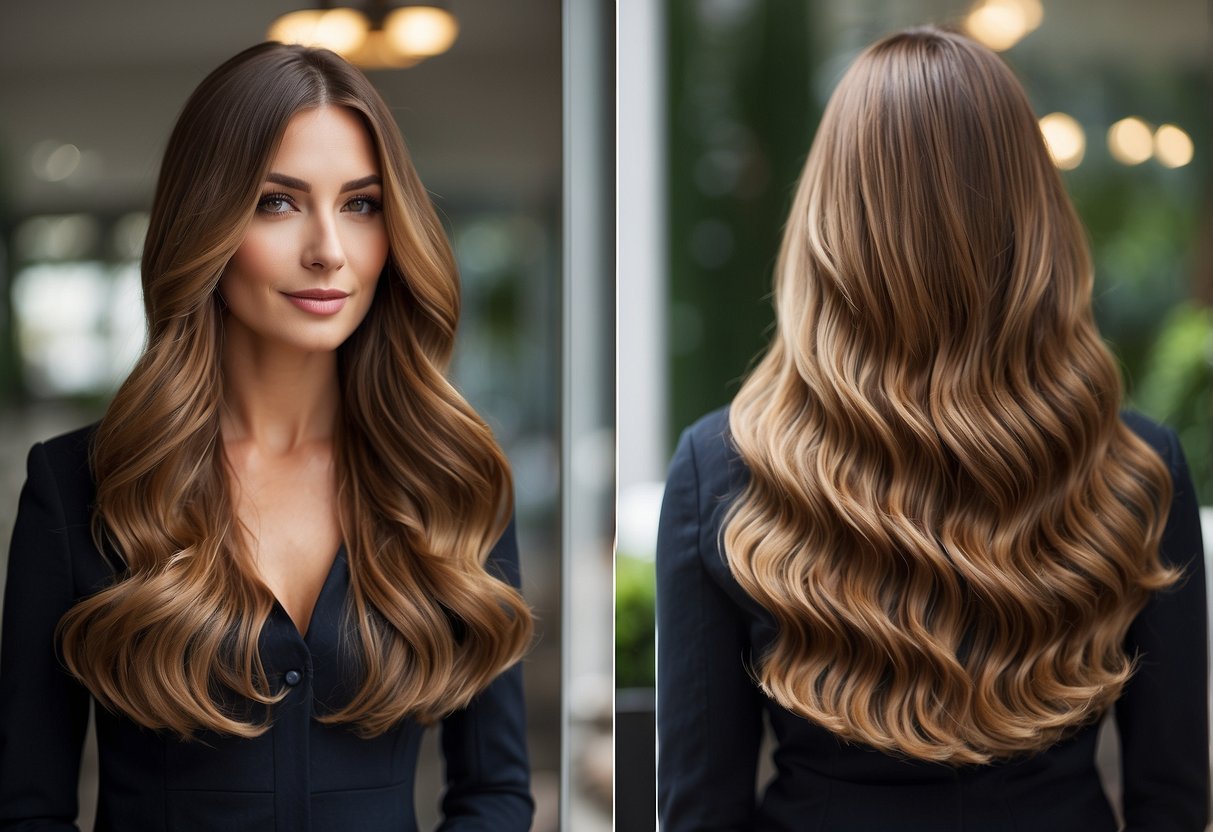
[{"x": 305, "y": 275}]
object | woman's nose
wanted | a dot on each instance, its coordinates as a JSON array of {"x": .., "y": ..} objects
[{"x": 323, "y": 251}]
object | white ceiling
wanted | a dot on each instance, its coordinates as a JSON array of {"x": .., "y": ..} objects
[{"x": 483, "y": 120}]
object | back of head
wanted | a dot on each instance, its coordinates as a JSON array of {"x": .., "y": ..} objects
[
  {"x": 932, "y": 209},
  {"x": 938, "y": 471}
]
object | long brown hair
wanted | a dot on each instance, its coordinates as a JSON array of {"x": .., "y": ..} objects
[
  {"x": 947, "y": 519},
  {"x": 424, "y": 491}
]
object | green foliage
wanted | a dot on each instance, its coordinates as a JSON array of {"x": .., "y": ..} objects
[
  {"x": 1143, "y": 223},
  {"x": 741, "y": 116},
  {"x": 1177, "y": 388},
  {"x": 635, "y": 624}
]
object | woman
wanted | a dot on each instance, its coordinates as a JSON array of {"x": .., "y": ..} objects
[
  {"x": 287, "y": 546},
  {"x": 921, "y": 540}
]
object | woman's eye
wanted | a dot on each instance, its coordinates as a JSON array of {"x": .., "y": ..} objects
[
  {"x": 363, "y": 205},
  {"x": 274, "y": 204}
]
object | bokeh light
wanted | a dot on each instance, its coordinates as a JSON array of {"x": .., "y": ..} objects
[
  {"x": 1172, "y": 146},
  {"x": 1130, "y": 141},
  {"x": 54, "y": 161},
  {"x": 421, "y": 31},
  {"x": 1000, "y": 24},
  {"x": 1065, "y": 139},
  {"x": 341, "y": 30}
]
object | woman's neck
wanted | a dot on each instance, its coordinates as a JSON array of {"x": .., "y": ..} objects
[{"x": 277, "y": 399}]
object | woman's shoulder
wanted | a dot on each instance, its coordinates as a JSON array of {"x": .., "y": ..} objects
[
  {"x": 707, "y": 449},
  {"x": 720, "y": 476},
  {"x": 710, "y": 442},
  {"x": 65, "y": 460},
  {"x": 711, "y": 437},
  {"x": 68, "y": 453},
  {"x": 1155, "y": 434},
  {"x": 711, "y": 426}
]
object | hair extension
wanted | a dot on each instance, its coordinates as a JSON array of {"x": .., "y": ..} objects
[
  {"x": 423, "y": 489},
  {"x": 945, "y": 516}
]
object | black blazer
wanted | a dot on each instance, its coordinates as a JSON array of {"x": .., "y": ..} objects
[
  {"x": 300, "y": 775},
  {"x": 710, "y": 711}
]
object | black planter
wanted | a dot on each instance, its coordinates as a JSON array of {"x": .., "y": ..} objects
[{"x": 635, "y": 760}]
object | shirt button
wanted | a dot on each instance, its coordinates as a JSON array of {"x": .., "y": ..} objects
[{"x": 292, "y": 677}]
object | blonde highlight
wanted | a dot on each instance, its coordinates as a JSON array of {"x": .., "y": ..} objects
[{"x": 945, "y": 515}]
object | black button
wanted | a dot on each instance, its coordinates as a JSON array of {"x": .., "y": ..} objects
[{"x": 292, "y": 677}]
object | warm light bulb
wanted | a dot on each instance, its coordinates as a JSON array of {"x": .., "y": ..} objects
[
  {"x": 1172, "y": 146},
  {"x": 1065, "y": 139},
  {"x": 1130, "y": 141},
  {"x": 421, "y": 31},
  {"x": 295, "y": 27},
  {"x": 377, "y": 53},
  {"x": 341, "y": 30},
  {"x": 1000, "y": 24},
  {"x": 1033, "y": 13}
]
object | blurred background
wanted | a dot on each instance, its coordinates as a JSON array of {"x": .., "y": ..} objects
[
  {"x": 88, "y": 96},
  {"x": 1124, "y": 92}
]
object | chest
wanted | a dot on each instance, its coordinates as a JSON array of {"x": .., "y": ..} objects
[{"x": 287, "y": 509}]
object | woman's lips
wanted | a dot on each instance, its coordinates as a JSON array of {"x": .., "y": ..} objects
[{"x": 318, "y": 301}]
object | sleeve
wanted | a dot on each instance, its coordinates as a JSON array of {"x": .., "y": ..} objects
[
  {"x": 43, "y": 709},
  {"x": 484, "y": 745},
  {"x": 709, "y": 714},
  {"x": 1163, "y": 713}
]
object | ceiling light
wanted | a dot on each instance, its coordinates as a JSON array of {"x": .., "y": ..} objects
[
  {"x": 423, "y": 31},
  {"x": 341, "y": 30},
  {"x": 383, "y": 35}
]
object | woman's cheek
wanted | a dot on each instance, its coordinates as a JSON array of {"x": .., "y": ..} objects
[{"x": 262, "y": 258}]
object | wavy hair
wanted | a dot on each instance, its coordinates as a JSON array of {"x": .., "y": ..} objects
[
  {"x": 424, "y": 491},
  {"x": 945, "y": 516}
]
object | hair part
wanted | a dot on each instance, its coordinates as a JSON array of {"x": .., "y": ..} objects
[
  {"x": 424, "y": 491},
  {"x": 945, "y": 516}
]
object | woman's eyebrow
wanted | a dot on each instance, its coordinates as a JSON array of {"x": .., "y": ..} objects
[
  {"x": 289, "y": 182},
  {"x": 300, "y": 185},
  {"x": 355, "y": 184}
]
